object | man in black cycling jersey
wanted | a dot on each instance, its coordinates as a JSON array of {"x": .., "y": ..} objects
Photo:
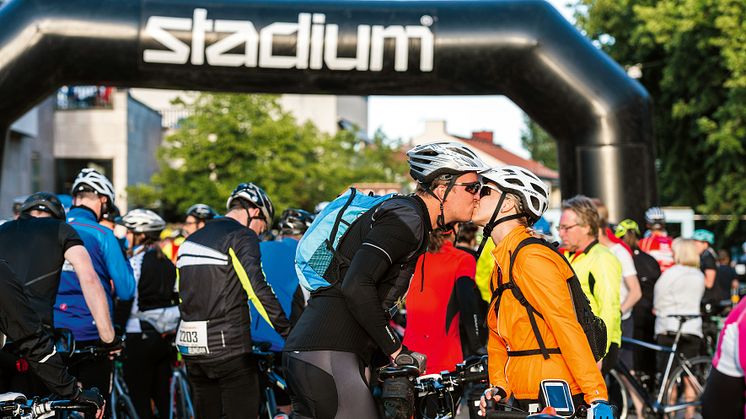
[
  {"x": 336, "y": 337},
  {"x": 36, "y": 245},
  {"x": 22, "y": 325},
  {"x": 219, "y": 273}
]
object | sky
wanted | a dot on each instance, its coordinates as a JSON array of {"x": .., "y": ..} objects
[{"x": 404, "y": 117}]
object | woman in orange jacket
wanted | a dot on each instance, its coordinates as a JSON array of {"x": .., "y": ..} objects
[{"x": 513, "y": 199}]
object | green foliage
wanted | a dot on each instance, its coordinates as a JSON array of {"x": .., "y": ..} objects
[
  {"x": 234, "y": 138},
  {"x": 693, "y": 56},
  {"x": 539, "y": 143}
]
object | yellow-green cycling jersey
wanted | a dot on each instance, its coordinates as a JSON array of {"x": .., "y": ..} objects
[
  {"x": 485, "y": 265},
  {"x": 600, "y": 275}
]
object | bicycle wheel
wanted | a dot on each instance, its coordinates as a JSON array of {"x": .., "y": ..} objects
[
  {"x": 686, "y": 384},
  {"x": 618, "y": 393}
]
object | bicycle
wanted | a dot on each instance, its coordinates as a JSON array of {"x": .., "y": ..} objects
[
  {"x": 16, "y": 406},
  {"x": 266, "y": 364},
  {"x": 438, "y": 394},
  {"x": 121, "y": 403},
  {"x": 713, "y": 316},
  {"x": 666, "y": 404},
  {"x": 180, "y": 396}
]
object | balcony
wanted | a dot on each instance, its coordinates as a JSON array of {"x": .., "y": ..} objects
[{"x": 85, "y": 97}]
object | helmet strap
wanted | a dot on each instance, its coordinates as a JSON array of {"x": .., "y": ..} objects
[
  {"x": 441, "y": 220},
  {"x": 494, "y": 221}
]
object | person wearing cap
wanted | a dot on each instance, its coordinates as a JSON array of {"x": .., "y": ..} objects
[
  {"x": 705, "y": 239},
  {"x": 93, "y": 194},
  {"x": 196, "y": 217},
  {"x": 344, "y": 331},
  {"x": 220, "y": 272},
  {"x": 656, "y": 242}
]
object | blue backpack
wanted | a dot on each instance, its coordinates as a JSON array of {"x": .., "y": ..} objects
[{"x": 318, "y": 247}]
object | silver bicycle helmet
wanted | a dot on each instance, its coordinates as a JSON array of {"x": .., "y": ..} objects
[
  {"x": 201, "y": 211},
  {"x": 429, "y": 161},
  {"x": 533, "y": 192},
  {"x": 655, "y": 215},
  {"x": 143, "y": 221},
  {"x": 91, "y": 180}
]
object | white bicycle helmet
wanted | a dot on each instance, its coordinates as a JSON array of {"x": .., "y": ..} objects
[
  {"x": 428, "y": 161},
  {"x": 655, "y": 215},
  {"x": 143, "y": 221},
  {"x": 91, "y": 180},
  {"x": 256, "y": 196},
  {"x": 533, "y": 192}
]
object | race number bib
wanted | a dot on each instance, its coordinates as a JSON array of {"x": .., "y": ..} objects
[{"x": 191, "y": 338}]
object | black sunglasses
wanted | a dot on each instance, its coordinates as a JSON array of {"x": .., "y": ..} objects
[
  {"x": 471, "y": 187},
  {"x": 487, "y": 190}
]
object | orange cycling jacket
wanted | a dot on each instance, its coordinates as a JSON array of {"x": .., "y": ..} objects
[{"x": 542, "y": 276}]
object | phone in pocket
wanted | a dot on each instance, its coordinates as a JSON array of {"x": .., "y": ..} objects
[{"x": 556, "y": 394}]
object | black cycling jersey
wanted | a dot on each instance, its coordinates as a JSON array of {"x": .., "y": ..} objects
[
  {"x": 219, "y": 270},
  {"x": 35, "y": 249},
  {"x": 21, "y": 324},
  {"x": 383, "y": 246}
]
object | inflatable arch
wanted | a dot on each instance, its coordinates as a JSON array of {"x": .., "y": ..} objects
[{"x": 523, "y": 49}]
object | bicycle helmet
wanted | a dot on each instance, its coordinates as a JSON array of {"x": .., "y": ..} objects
[
  {"x": 256, "y": 196},
  {"x": 655, "y": 215},
  {"x": 93, "y": 181},
  {"x": 429, "y": 161},
  {"x": 295, "y": 221},
  {"x": 534, "y": 193},
  {"x": 626, "y": 225},
  {"x": 44, "y": 201},
  {"x": 201, "y": 212},
  {"x": 703, "y": 235},
  {"x": 143, "y": 221}
]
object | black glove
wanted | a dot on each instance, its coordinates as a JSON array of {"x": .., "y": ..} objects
[
  {"x": 114, "y": 345},
  {"x": 407, "y": 358},
  {"x": 90, "y": 396}
]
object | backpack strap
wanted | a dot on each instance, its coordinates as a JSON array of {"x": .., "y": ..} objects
[{"x": 532, "y": 313}]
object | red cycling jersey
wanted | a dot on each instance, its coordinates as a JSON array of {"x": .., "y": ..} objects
[
  {"x": 434, "y": 308},
  {"x": 658, "y": 245}
]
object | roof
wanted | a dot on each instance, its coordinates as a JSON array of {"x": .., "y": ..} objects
[{"x": 505, "y": 156}]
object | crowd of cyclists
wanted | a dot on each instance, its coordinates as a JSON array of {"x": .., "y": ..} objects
[{"x": 409, "y": 284}]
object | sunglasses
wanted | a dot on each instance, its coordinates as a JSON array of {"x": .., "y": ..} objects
[
  {"x": 487, "y": 190},
  {"x": 471, "y": 187}
]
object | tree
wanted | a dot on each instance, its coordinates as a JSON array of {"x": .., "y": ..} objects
[
  {"x": 539, "y": 143},
  {"x": 233, "y": 138},
  {"x": 693, "y": 59}
]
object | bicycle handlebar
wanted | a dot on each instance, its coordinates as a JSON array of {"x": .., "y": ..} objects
[{"x": 39, "y": 408}]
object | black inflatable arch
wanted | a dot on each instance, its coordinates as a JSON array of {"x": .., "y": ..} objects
[{"x": 522, "y": 49}]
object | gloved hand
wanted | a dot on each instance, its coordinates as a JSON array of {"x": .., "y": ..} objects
[
  {"x": 407, "y": 357},
  {"x": 114, "y": 345},
  {"x": 601, "y": 409},
  {"x": 92, "y": 397}
]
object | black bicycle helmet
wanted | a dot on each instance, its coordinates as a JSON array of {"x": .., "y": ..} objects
[
  {"x": 295, "y": 221},
  {"x": 201, "y": 212},
  {"x": 44, "y": 201}
]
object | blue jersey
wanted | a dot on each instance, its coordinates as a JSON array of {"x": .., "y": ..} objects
[
  {"x": 278, "y": 264},
  {"x": 70, "y": 309}
]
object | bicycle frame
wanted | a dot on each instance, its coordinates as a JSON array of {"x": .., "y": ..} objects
[
  {"x": 179, "y": 381},
  {"x": 657, "y": 404}
]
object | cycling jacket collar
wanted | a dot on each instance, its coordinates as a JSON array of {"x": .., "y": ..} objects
[
  {"x": 81, "y": 212},
  {"x": 584, "y": 251},
  {"x": 500, "y": 247}
]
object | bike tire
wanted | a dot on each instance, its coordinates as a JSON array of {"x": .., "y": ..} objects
[
  {"x": 125, "y": 408},
  {"x": 699, "y": 367},
  {"x": 618, "y": 394}
]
